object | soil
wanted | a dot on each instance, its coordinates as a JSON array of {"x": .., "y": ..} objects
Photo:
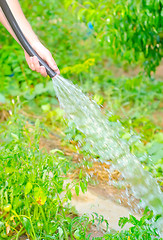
[
  {"x": 3, "y": 115},
  {"x": 131, "y": 72},
  {"x": 23, "y": 237},
  {"x": 157, "y": 116},
  {"x": 159, "y": 71},
  {"x": 54, "y": 142},
  {"x": 105, "y": 199},
  {"x": 98, "y": 171}
]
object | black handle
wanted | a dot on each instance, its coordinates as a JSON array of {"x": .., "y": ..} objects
[{"x": 25, "y": 44}]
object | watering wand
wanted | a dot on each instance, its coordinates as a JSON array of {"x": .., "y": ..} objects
[{"x": 25, "y": 44}]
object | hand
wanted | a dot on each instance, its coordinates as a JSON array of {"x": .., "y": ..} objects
[{"x": 44, "y": 53}]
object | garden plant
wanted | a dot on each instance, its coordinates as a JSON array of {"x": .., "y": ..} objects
[{"x": 111, "y": 50}]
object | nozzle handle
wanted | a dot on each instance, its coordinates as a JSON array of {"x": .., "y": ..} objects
[{"x": 25, "y": 44}]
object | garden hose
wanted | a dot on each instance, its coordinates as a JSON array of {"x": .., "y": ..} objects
[{"x": 25, "y": 44}]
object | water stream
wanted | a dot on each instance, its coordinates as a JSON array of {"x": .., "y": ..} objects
[{"x": 107, "y": 144}]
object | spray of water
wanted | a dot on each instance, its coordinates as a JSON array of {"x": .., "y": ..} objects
[{"x": 107, "y": 144}]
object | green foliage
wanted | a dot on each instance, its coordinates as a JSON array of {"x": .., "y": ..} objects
[
  {"x": 132, "y": 100},
  {"x": 31, "y": 181},
  {"x": 129, "y": 31},
  {"x": 34, "y": 192},
  {"x": 140, "y": 229},
  {"x": 31, "y": 184}
]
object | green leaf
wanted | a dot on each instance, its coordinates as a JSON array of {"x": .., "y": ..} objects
[
  {"x": 28, "y": 188},
  {"x": 159, "y": 137},
  {"x": 39, "y": 89},
  {"x": 26, "y": 223},
  {"x": 46, "y": 107},
  {"x": 133, "y": 220},
  {"x": 80, "y": 174},
  {"x": 83, "y": 186},
  {"x": 53, "y": 151},
  {"x": 77, "y": 234},
  {"x": 40, "y": 195},
  {"x": 37, "y": 123},
  {"x": 89, "y": 3},
  {"x": 28, "y": 95},
  {"x": 69, "y": 194},
  {"x": 60, "y": 232},
  {"x": 156, "y": 151},
  {"x": 123, "y": 221},
  {"x": 10, "y": 170},
  {"x": 2, "y": 98},
  {"x": 77, "y": 189},
  {"x": 15, "y": 137},
  {"x": 1, "y": 224}
]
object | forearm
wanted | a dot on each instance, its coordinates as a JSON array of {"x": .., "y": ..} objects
[
  {"x": 31, "y": 38},
  {"x": 21, "y": 20}
]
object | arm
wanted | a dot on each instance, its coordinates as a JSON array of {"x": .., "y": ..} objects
[{"x": 31, "y": 38}]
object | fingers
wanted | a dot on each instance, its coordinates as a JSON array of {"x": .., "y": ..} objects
[
  {"x": 31, "y": 65},
  {"x": 43, "y": 71},
  {"x": 35, "y": 66},
  {"x": 50, "y": 61}
]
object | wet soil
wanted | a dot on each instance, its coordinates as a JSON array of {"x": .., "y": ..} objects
[
  {"x": 54, "y": 142},
  {"x": 92, "y": 202},
  {"x": 98, "y": 172},
  {"x": 104, "y": 199}
]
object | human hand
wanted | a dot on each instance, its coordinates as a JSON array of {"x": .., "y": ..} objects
[{"x": 45, "y": 54}]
